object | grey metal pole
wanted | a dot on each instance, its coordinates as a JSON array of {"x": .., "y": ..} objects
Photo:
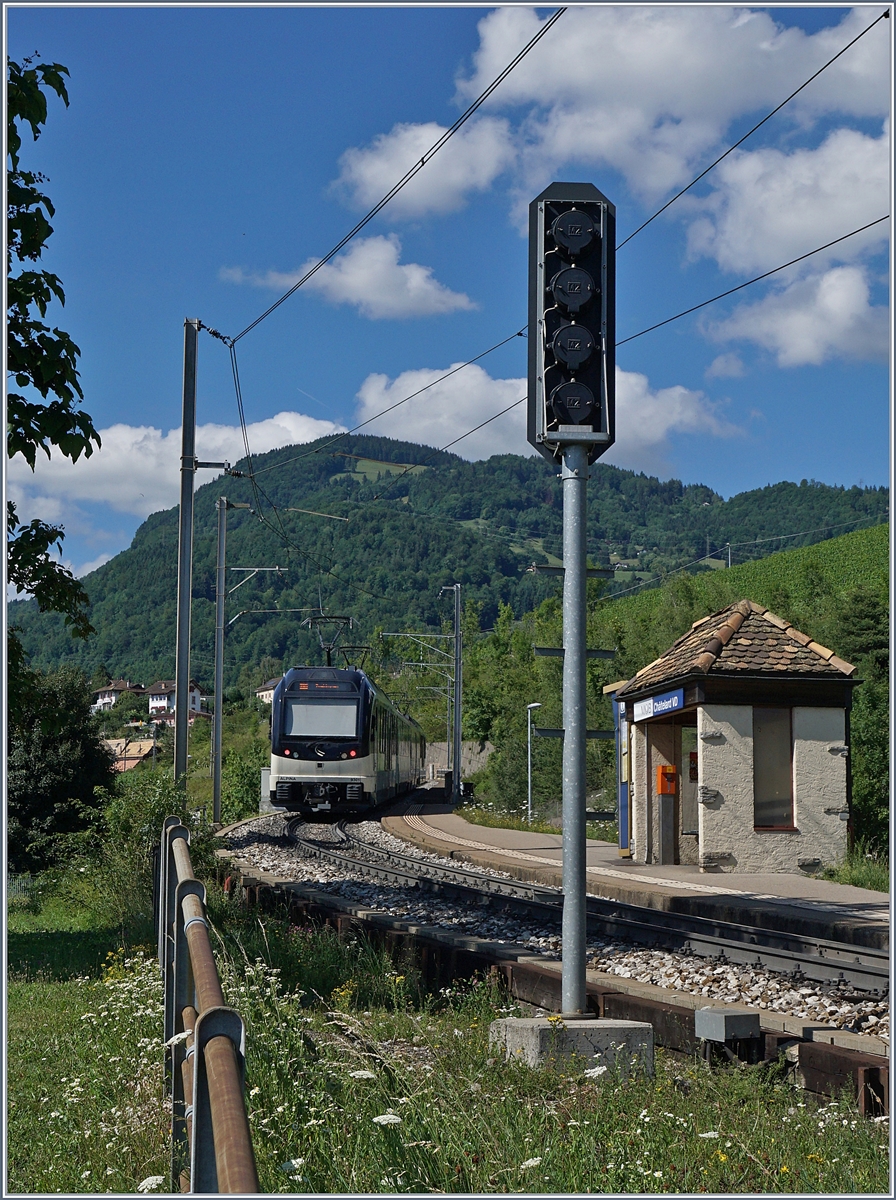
[
  {"x": 185, "y": 555},
  {"x": 529, "y": 708},
  {"x": 458, "y": 692},
  {"x": 220, "y": 596},
  {"x": 575, "y": 484},
  {"x": 529, "y": 764}
]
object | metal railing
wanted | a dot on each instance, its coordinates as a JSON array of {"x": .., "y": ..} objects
[{"x": 205, "y": 1040}]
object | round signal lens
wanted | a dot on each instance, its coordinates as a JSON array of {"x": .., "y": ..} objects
[
  {"x": 573, "y": 404},
  {"x": 286, "y": 752},
  {"x": 353, "y": 753},
  {"x": 573, "y": 345},
  {"x": 572, "y": 288},
  {"x": 573, "y": 231}
]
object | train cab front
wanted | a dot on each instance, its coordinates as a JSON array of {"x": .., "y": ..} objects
[{"x": 319, "y": 745}]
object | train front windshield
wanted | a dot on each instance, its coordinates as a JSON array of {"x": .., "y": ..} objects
[{"x": 320, "y": 720}]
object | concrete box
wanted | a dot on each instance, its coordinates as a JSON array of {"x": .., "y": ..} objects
[
  {"x": 723, "y": 1024},
  {"x": 580, "y": 1045}
]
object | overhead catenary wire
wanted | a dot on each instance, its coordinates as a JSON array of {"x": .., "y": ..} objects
[
  {"x": 392, "y": 407},
  {"x": 757, "y": 278},
  {"x": 408, "y": 175},
  {"x": 758, "y": 125}
]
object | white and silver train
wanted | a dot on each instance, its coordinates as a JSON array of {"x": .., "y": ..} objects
[{"x": 339, "y": 746}]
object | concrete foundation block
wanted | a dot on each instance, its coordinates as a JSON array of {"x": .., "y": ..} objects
[{"x": 578, "y": 1045}]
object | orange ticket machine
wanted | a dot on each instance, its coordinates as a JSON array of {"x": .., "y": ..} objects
[{"x": 665, "y": 781}]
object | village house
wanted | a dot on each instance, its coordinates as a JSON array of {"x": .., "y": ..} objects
[
  {"x": 109, "y": 693},
  {"x": 161, "y": 697},
  {"x": 265, "y": 693}
]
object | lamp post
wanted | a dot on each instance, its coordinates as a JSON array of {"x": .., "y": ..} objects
[{"x": 529, "y": 708}]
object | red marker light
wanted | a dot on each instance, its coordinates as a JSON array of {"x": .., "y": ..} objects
[
  {"x": 353, "y": 753},
  {"x": 286, "y": 752}
]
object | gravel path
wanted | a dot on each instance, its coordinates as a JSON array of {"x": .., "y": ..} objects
[{"x": 263, "y": 843}]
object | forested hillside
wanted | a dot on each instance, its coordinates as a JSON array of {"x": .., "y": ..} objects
[{"x": 408, "y": 533}]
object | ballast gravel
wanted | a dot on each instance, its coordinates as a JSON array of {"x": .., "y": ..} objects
[{"x": 263, "y": 844}]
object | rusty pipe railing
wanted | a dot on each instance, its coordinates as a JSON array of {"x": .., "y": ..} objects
[{"x": 205, "y": 1040}]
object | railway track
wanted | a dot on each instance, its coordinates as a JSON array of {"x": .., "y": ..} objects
[{"x": 805, "y": 957}]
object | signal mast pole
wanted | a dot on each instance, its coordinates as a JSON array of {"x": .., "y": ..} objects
[{"x": 571, "y": 417}]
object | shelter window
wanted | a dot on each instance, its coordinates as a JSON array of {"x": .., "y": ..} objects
[{"x": 772, "y": 768}]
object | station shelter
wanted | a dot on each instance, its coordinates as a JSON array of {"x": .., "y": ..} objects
[{"x": 733, "y": 748}]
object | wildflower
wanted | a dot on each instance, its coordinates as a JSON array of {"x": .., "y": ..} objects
[
  {"x": 784, "y": 1168},
  {"x": 254, "y": 1091},
  {"x": 595, "y": 1072},
  {"x": 150, "y": 1183},
  {"x": 530, "y": 1162},
  {"x": 362, "y": 1075},
  {"x": 712, "y": 1134},
  {"x": 387, "y": 1119},
  {"x": 657, "y": 1174},
  {"x": 815, "y": 1158},
  {"x": 85, "y": 1174}
]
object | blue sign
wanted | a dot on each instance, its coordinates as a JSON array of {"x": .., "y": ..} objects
[{"x": 659, "y": 706}]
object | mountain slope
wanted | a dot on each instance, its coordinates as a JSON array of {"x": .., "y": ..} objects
[{"x": 408, "y": 533}]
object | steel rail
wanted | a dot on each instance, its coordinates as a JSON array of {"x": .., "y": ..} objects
[{"x": 806, "y": 957}]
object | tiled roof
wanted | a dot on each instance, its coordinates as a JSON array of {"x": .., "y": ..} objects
[
  {"x": 161, "y": 688},
  {"x": 744, "y": 638}
]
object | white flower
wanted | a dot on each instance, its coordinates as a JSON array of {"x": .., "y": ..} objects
[
  {"x": 595, "y": 1072},
  {"x": 712, "y": 1134},
  {"x": 85, "y": 1174},
  {"x": 530, "y": 1162},
  {"x": 151, "y": 1183},
  {"x": 387, "y": 1119},
  {"x": 362, "y": 1075}
]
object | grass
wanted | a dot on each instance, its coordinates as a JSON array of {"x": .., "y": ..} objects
[
  {"x": 601, "y": 831},
  {"x": 358, "y": 1080},
  {"x": 861, "y": 868}
]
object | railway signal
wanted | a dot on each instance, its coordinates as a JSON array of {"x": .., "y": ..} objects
[
  {"x": 572, "y": 328},
  {"x": 571, "y": 420}
]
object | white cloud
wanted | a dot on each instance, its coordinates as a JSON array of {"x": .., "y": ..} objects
[
  {"x": 645, "y": 418},
  {"x": 369, "y": 276},
  {"x": 769, "y": 207},
  {"x": 468, "y": 162},
  {"x": 813, "y": 320},
  {"x": 725, "y": 366},
  {"x": 447, "y": 410},
  {"x": 85, "y": 568},
  {"x": 137, "y": 469},
  {"x": 650, "y": 91}
]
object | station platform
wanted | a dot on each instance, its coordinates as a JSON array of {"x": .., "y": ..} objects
[{"x": 796, "y": 903}]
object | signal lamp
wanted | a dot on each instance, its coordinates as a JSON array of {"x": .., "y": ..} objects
[
  {"x": 573, "y": 231},
  {"x": 572, "y": 288},
  {"x": 573, "y": 345},
  {"x": 353, "y": 753},
  {"x": 573, "y": 403}
]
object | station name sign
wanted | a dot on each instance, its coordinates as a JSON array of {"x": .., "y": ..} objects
[{"x": 658, "y": 706}]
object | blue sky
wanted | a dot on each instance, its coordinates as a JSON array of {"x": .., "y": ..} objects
[{"x": 209, "y": 154}]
